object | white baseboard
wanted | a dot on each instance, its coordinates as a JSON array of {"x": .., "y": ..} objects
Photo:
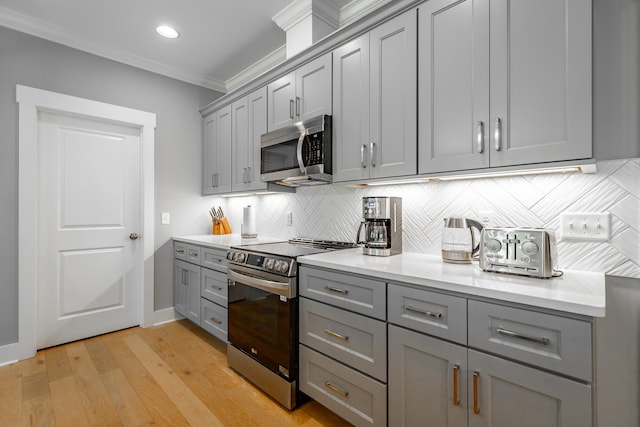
[
  {"x": 165, "y": 315},
  {"x": 9, "y": 354}
]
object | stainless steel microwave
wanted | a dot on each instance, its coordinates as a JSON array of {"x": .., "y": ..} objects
[{"x": 300, "y": 154}]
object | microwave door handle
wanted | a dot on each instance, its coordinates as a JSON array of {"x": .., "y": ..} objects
[{"x": 303, "y": 168}]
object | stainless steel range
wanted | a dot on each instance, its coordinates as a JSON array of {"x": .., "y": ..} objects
[{"x": 263, "y": 313}]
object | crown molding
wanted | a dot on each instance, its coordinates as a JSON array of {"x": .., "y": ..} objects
[
  {"x": 298, "y": 10},
  {"x": 41, "y": 29},
  {"x": 356, "y": 9},
  {"x": 268, "y": 62}
]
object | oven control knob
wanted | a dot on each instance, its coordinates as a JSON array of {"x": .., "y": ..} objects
[
  {"x": 284, "y": 267},
  {"x": 229, "y": 255},
  {"x": 241, "y": 257},
  {"x": 234, "y": 257},
  {"x": 268, "y": 263},
  {"x": 493, "y": 245},
  {"x": 530, "y": 248}
]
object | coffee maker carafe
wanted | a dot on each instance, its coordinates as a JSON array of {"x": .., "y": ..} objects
[{"x": 382, "y": 223}]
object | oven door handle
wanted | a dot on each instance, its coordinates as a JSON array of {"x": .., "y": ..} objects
[
  {"x": 278, "y": 288},
  {"x": 303, "y": 168}
]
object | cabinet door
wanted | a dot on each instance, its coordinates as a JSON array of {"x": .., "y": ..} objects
[
  {"x": 454, "y": 85},
  {"x": 186, "y": 290},
  {"x": 427, "y": 380},
  {"x": 508, "y": 394},
  {"x": 241, "y": 144},
  {"x": 313, "y": 88},
  {"x": 540, "y": 81},
  {"x": 281, "y": 109},
  {"x": 180, "y": 287},
  {"x": 209, "y": 153},
  {"x": 393, "y": 145},
  {"x": 351, "y": 110},
  {"x": 257, "y": 103},
  {"x": 216, "y": 176}
]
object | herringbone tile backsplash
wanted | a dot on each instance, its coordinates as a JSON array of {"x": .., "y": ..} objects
[{"x": 334, "y": 211}]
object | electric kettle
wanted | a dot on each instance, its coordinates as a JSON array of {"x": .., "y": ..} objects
[{"x": 459, "y": 244}]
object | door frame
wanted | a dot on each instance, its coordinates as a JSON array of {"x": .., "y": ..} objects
[{"x": 30, "y": 102}]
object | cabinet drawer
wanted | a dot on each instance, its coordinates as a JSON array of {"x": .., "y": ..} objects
[
  {"x": 553, "y": 342},
  {"x": 365, "y": 296},
  {"x": 214, "y": 319},
  {"x": 214, "y": 286},
  {"x": 443, "y": 316},
  {"x": 215, "y": 259},
  {"x": 185, "y": 252},
  {"x": 354, "y": 396},
  {"x": 358, "y": 341}
]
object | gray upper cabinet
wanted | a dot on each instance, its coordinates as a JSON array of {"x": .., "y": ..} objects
[
  {"x": 249, "y": 118},
  {"x": 301, "y": 94},
  {"x": 216, "y": 176},
  {"x": 375, "y": 102},
  {"x": 497, "y": 88}
]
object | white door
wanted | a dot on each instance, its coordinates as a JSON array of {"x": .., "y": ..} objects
[{"x": 89, "y": 206}]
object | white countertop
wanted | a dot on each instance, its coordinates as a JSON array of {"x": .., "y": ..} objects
[
  {"x": 225, "y": 241},
  {"x": 578, "y": 292}
]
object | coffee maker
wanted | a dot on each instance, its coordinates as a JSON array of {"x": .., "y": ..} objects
[{"x": 382, "y": 223}]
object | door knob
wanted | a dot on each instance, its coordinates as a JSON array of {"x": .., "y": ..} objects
[{"x": 133, "y": 236}]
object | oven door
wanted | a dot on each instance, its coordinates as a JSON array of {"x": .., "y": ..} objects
[{"x": 263, "y": 318}]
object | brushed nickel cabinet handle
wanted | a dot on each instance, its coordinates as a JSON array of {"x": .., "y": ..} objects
[
  {"x": 518, "y": 335},
  {"x": 362, "y": 149},
  {"x": 337, "y": 335},
  {"x": 216, "y": 321},
  {"x": 476, "y": 405},
  {"x": 337, "y": 290},
  {"x": 335, "y": 389},
  {"x": 372, "y": 153},
  {"x": 298, "y": 106},
  {"x": 480, "y": 140},
  {"x": 456, "y": 397},
  {"x": 498, "y": 134},
  {"x": 180, "y": 250},
  {"x": 421, "y": 311},
  {"x": 291, "y": 108}
]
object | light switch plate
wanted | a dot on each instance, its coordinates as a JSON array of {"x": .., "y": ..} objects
[
  {"x": 586, "y": 226},
  {"x": 165, "y": 218}
]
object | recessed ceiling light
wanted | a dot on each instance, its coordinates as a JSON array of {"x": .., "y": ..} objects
[{"x": 166, "y": 31}]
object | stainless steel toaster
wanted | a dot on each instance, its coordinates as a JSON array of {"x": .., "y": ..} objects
[{"x": 523, "y": 251}]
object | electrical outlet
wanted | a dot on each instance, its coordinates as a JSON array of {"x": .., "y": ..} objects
[
  {"x": 165, "y": 218},
  {"x": 289, "y": 218},
  {"x": 586, "y": 226},
  {"x": 486, "y": 218}
]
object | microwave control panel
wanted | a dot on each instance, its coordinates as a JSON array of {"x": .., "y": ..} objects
[{"x": 314, "y": 149}]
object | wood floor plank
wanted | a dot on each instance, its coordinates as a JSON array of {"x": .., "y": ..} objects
[
  {"x": 102, "y": 358},
  {"x": 100, "y": 409},
  {"x": 38, "y": 412},
  {"x": 199, "y": 369},
  {"x": 34, "y": 365},
  {"x": 157, "y": 402},
  {"x": 67, "y": 403},
  {"x": 130, "y": 407},
  {"x": 57, "y": 363},
  {"x": 11, "y": 395},
  {"x": 35, "y": 386},
  {"x": 187, "y": 402}
]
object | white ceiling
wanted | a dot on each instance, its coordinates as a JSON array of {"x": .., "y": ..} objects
[{"x": 218, "y": 38}]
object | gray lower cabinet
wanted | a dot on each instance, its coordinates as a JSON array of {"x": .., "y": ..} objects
[
  {"x": 186, "y": 295},
  {"x": 343, "y": 344},
  {"x": 498, "y": 89},
  {"x": 200, "y": 286},
  {"x": 427, "y": 380}
]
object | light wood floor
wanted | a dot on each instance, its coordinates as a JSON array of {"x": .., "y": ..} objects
[{"x": 170, "y": 375}]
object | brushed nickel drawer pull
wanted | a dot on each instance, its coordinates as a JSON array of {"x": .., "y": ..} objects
[
  {"x": 335, "y": 389},
  {"x": 543, "y": 340},
  {"x": 180, "y": 250},
  {"x": 476, "y": 405},
  {"x": 425, "y": 312},
  {"x": 337, "y": 335},
  {"x": 216, "y": 321},
  {"x": 338, "y": 290},
  {"x": 456, "y": 398}
]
